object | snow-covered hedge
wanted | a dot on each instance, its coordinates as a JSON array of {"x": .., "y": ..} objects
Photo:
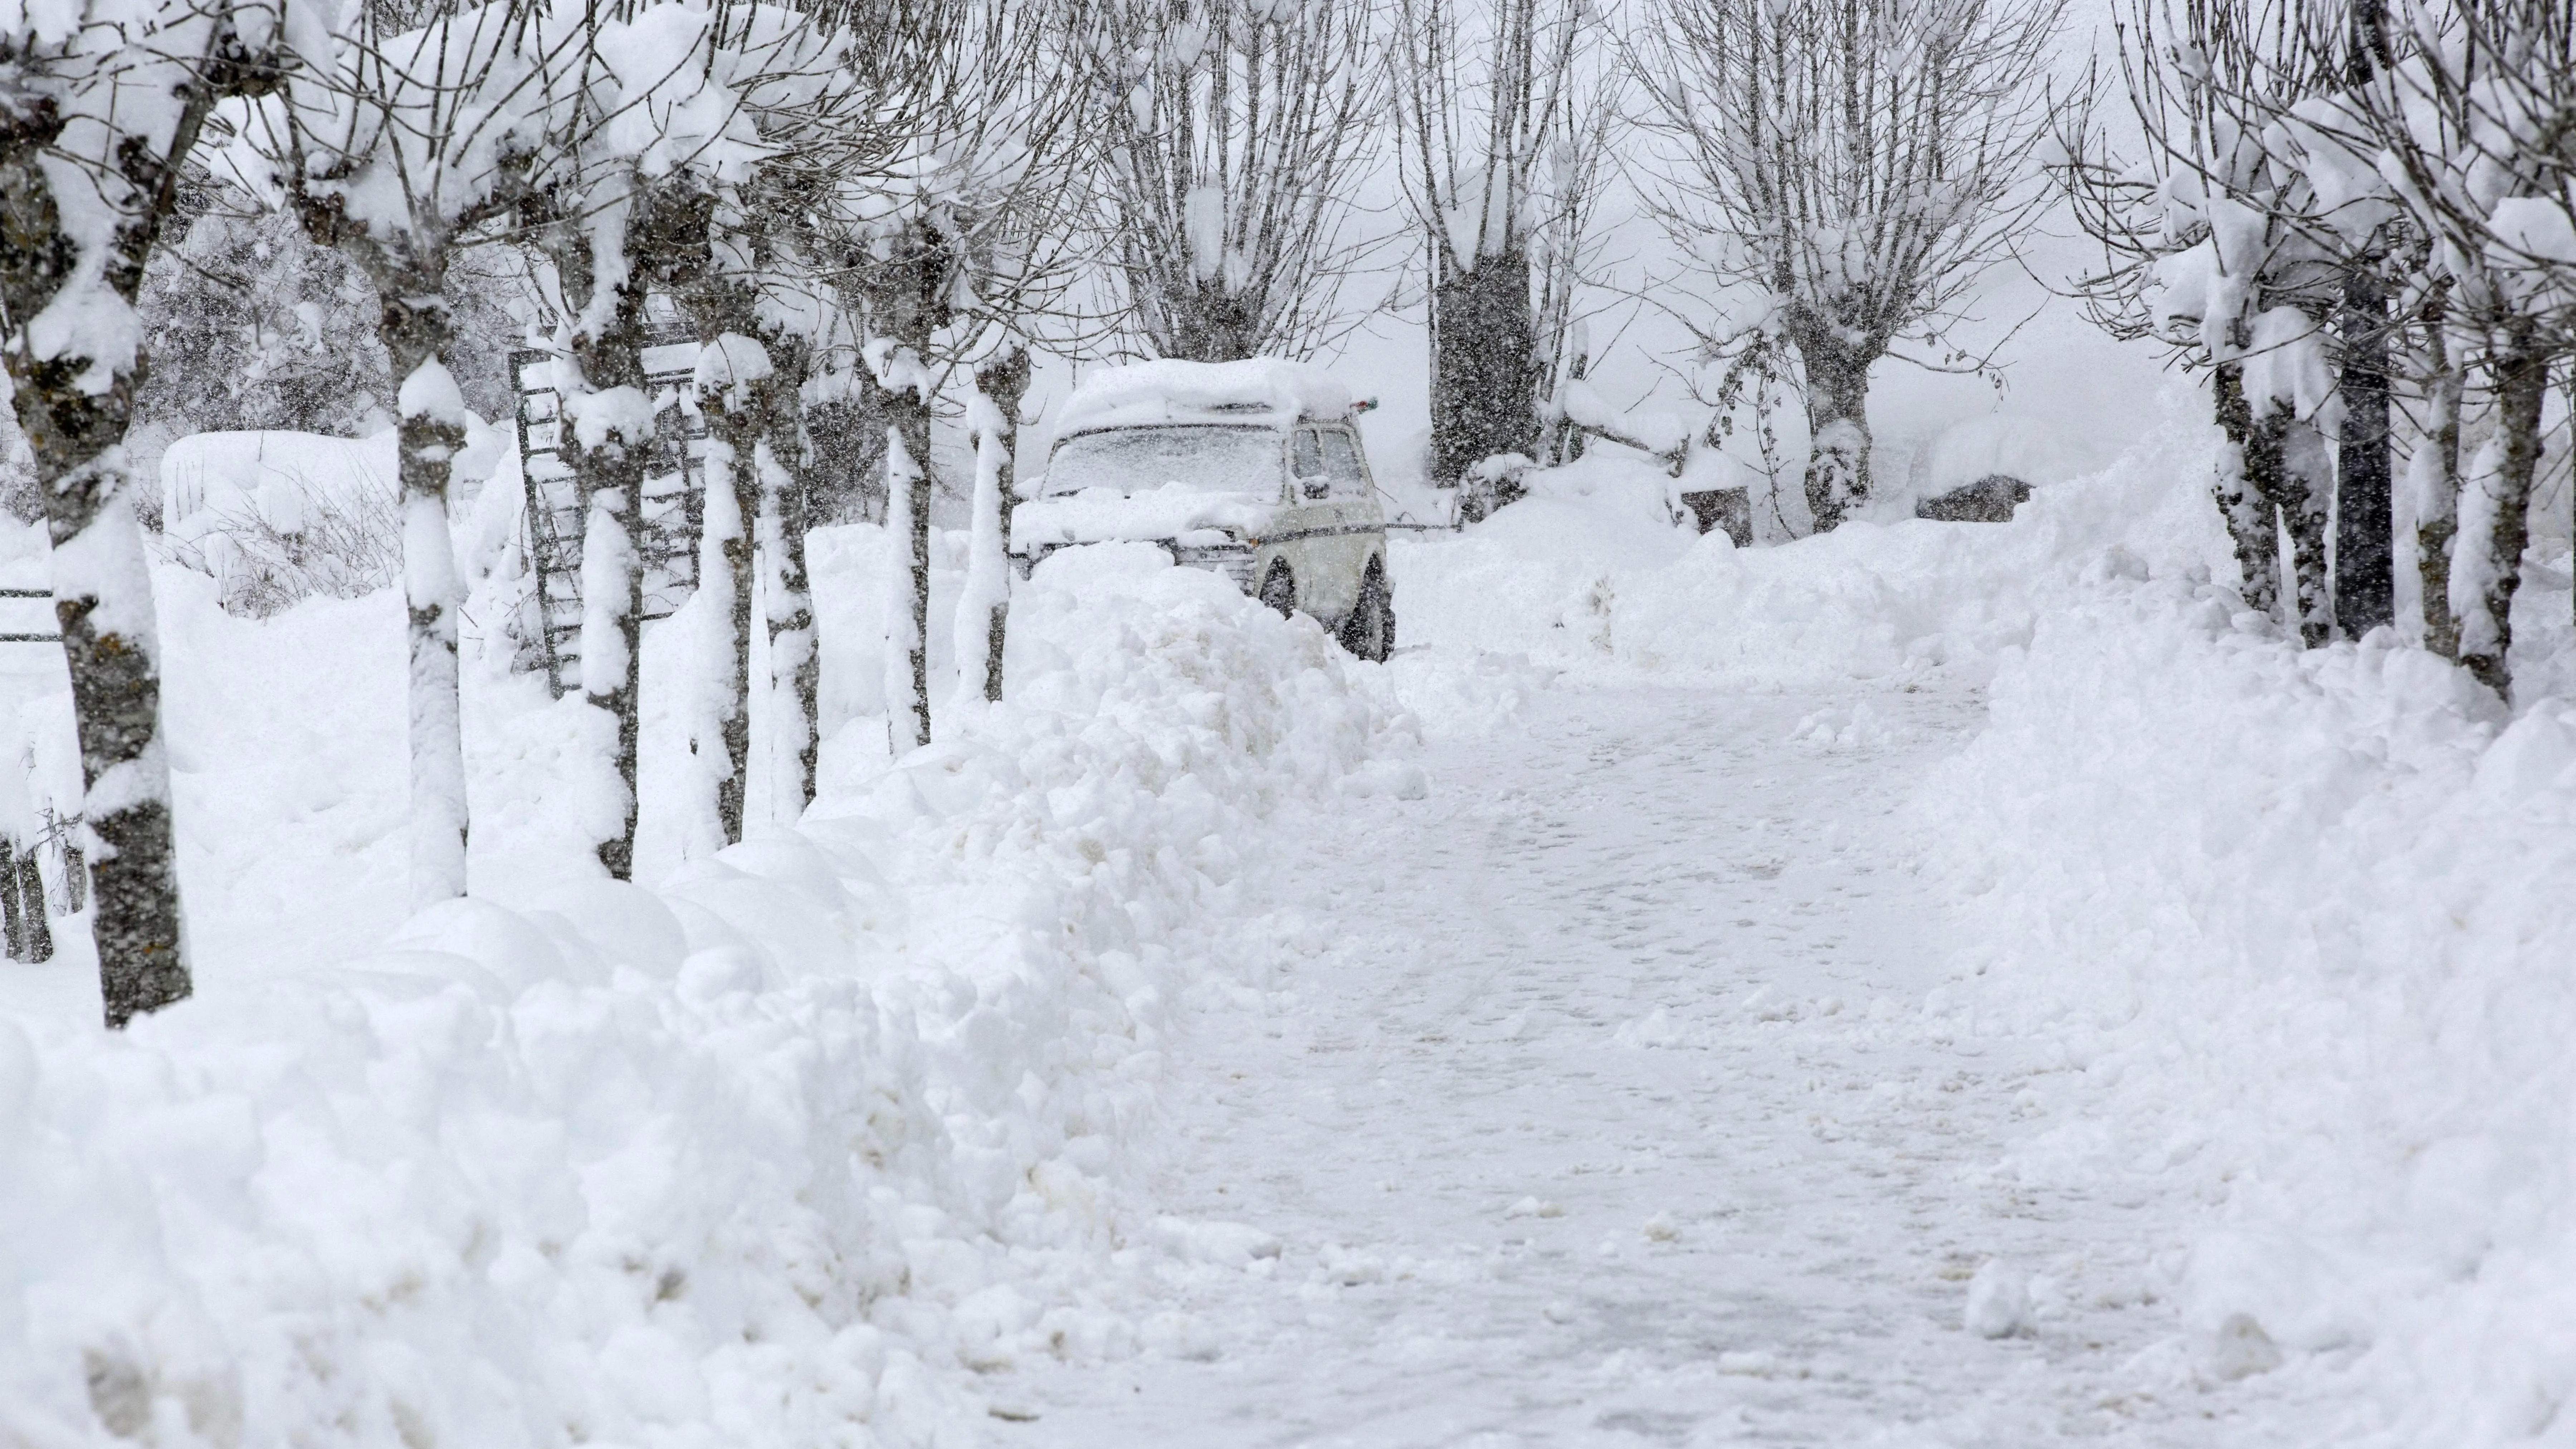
[{"x": 760, "y": 1157}]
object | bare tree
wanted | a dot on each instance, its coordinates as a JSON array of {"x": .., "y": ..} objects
[
  {"x": 1235, "y": 134},
  {"x": 2217, "y": 246},
  {"x": 1503, "y": 129},
  {"x": 972, "y": 248},
  {"x": 1853, "y": 165},
  {"x": 98, "y": 114},
  {"x": 396, "y": 148},
  {"x": 2465, "y": 123}
]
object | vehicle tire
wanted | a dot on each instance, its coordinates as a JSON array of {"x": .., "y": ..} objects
[
  {"x": 1279, "y": 589},
  {"x": 1369, "y": 632}
]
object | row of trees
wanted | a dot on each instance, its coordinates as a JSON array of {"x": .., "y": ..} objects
[
  {"x": 2358, "y": 221},
  {"x": 856, "y": 207},
  {"x": 859, "y": 208}
]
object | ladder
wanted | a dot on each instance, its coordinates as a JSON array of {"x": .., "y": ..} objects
[{"x": 669, "y": 515}]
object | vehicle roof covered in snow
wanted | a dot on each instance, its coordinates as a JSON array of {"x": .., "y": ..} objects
[{"x": 1262, "y": 391}]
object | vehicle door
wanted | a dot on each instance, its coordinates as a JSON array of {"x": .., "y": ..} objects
[
  {"x": 1359, "y": 524},
  {"x": 1309, "y": 525}
]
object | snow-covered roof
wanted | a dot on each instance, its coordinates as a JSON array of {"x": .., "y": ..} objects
[{"x": 1262, "y": 390}]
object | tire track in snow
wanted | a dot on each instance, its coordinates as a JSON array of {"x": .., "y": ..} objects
[{"x": 1611, "y": 1113}]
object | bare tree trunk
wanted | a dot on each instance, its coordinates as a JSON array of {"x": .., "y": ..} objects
[
  {"x": 1484, "y": 396},
  {"x": 2501, "y": 524},
  {"x": 2435, "y": 473},
  {"x": 75, "y": 424},
  {"x": 2365, "y": 588},
  {"x": 1838, "y": 428},
  {"x": 1203, "y": 322},
  {"x": 2247, "y": 512}
]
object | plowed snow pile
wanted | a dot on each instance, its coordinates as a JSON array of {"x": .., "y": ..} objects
[
  {"x": 2299, "y": 926},
  {"x": 762, "y": 1157}
]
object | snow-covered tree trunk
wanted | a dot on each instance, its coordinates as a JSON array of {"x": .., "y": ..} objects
[
  {"x": 612, "y": 422},
  {"x": 910, "y": 283},
  {"x": 2433, "y": 477},
  {"x": 727, "y": 584},
  {"x": 1837, "y": 425},
  {"x": 795, "y": 664},
  {"x": 908, "y": 580},
  {"x": 616, "y": 424},
  {"x": 751, "y": 401},
  {"x": 71, "y": 264},
  {"x": 1484, "y": 380},
  {"x": 2495, "y": 509},
  {"x": 983, "y": 609},
  {"x": 2365, "y": 586},
  {"x": 432, "y": 431},
  {"x": 2288, "y": 464},
  {"x": 2246, "y": 512}
]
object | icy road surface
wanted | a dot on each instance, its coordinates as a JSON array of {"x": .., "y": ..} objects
[{"x": 1612, "y": 1114}]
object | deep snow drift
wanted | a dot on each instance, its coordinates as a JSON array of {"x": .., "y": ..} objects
[
  {"x": 817, "y": 1139},
  {"x": 761, "y": 1156}
]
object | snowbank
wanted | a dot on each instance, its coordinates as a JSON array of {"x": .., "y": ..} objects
[
  {"x": 771, "y": 1154},
  {"x": 1591, "y": 571},
  {"x": 2298, "y": 925},
  {"x": 2295, "y": 925}
]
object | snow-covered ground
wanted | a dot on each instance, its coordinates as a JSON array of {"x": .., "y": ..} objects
[{"x": 1932, "y": 984}]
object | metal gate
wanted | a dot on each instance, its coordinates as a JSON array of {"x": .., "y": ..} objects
[{"x": 670, "y": 514}]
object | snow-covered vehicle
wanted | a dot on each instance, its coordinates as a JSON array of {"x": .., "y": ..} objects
[{"x": 1251, "y": 469}]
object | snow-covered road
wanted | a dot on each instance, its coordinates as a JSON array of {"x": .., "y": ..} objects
[{"x": 1609, "y": 1111}]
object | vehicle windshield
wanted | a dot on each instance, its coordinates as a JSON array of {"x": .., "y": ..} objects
[{"x": 1208, "y": 459}]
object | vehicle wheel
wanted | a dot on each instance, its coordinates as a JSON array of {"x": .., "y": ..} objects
[
  {"x": 1279, "y": 589},
  {"x": 1370, "y": 630}
]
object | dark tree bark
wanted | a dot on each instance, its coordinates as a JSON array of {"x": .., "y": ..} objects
[
  {"x": 2247, "y": 513},
  {"x": 2290, "y": 466},
  {"x": 1484, "y": 386},
  {"x": 793, "y": 647},
  {"x": 2365, "y": 585},
  {"x": 2520, "y": 370},
  {"x": 1837, "y": 478},
  {"x": 1004, "y": 382},
  {"x": 75, "y": 423},
  {"x": 908, "y": 283},
  {"x": 2438, "y": 495},
  {"x": 908, "y": 468},
  {"x": 1203, "y": 322},
  {"x": 844, "y": 466}
]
